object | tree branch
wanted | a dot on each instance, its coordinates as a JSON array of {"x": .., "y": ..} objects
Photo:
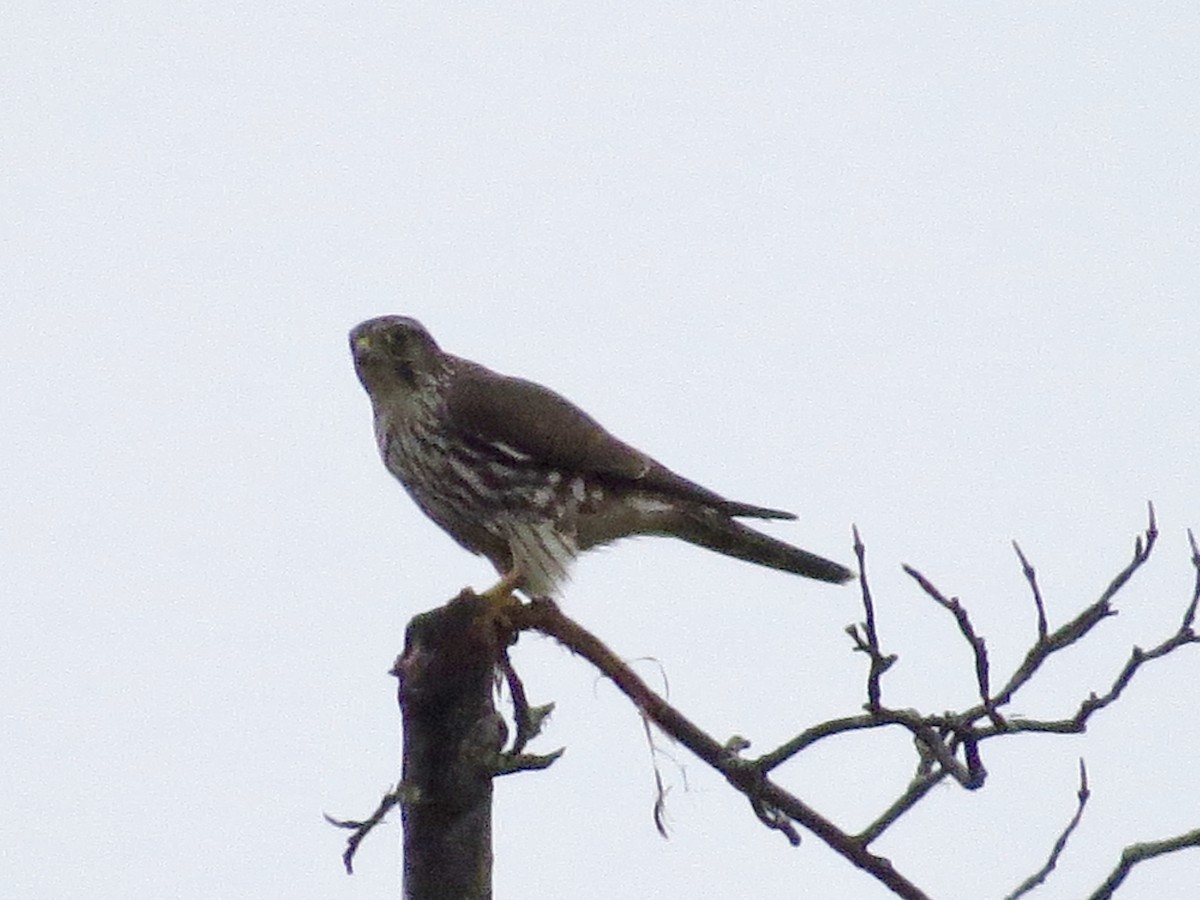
[
  {"x": 868, "y": 640},
  {"x": 977, "y": 644},
  {"x": 1041, "y": 874},
  {"x": 1031, "y": 577},
  {"x": 773, "y": 805},
  {"x": 1078, "y": 627},
  {"x": 453, "y": 736},
  {"x": 1136, "y": 853}
]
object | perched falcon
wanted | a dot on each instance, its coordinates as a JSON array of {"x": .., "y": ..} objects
[{"x": 515, "y": 472}]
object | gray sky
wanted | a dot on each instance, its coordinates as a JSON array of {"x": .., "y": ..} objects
[{"x": 927, "y": 270}]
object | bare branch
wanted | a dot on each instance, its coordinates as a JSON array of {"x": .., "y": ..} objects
[
  {"x": 511, "y": 763},
  {"x": 1136, "y": 853},
  {"x": 1031, "y": 577},
  {"x": 1137, "y": 658},
  {"x": 977, "y": 643},
  {"x": 1141, "y": 553},
  {"x": 868, "y": 641},
  {"x": 528, "y": 718},
  {"x": 961, "y": 728},
  {"x": 774, "y": 806},
  {"x": 1189, "y": 615},
  {"x": 1072, "y": 631},
  {"x": 1041, "y": 874},
  {"x": 918, "y": 788},
  {"x": 361, "y": 829},
  {"x": 809, "y": 736},
  {"x": 946, "y": 744}
]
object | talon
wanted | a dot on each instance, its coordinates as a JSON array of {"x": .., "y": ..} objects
[
  {"x": 500, "y": 597},
  {"x": 502, "y": 591}
]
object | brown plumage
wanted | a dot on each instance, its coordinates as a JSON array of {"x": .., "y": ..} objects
[{"x": 513, "y": 471}]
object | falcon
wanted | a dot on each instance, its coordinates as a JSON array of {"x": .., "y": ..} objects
[{"x": 518, "y": 474}]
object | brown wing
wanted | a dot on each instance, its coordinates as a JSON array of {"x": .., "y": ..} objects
[{"x": 547, "y": 427}]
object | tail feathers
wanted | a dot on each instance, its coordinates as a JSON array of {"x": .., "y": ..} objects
[
  {"x": 708, "y": 528},
  {"x": 732, "y": 508}
]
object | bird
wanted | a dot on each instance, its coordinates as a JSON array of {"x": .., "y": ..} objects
[{"x": 516, "y": 473}]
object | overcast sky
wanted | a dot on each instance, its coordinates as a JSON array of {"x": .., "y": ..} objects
[{"x": 928, "y": 269}]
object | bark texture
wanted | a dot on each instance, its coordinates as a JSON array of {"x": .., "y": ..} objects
[{"x": 452, "y": 739}]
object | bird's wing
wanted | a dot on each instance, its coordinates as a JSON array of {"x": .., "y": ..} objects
[{"x": 535, "y": 421}]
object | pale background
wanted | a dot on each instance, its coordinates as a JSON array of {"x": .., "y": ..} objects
[{"x": 925, "y": 268}]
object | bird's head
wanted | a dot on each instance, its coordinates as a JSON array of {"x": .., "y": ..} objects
[{"x": 391, "y": 352}]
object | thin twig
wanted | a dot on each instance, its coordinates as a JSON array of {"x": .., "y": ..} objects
[
  {"x": 1041, "y": 874},
  {"x": 773, "y": 805},
  {"x": 868, "y": 641},
  {"x": 1031, "y": 577},
  {"x": 917, "y": 788},
  {"x": 1078, "y": 627},
  {"x": 1093, "y": 703},
  {"x": 809, "y": 736},
  {"x": 961, "y": 725},
  {"x": 1136, "y": 853},
  {"x": 363, "y": 828},
  {"x": 528, "y": 718},
  {"x": 977, "y": 643},
  {"x": 1189, "y": 615}
]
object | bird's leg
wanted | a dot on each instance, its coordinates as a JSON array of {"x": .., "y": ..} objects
[
  {"x": 500, "y": 603},
  {"x": 500, "y": 595}
]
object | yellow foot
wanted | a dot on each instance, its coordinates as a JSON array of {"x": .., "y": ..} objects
[{"x": 500, "y": 596}]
